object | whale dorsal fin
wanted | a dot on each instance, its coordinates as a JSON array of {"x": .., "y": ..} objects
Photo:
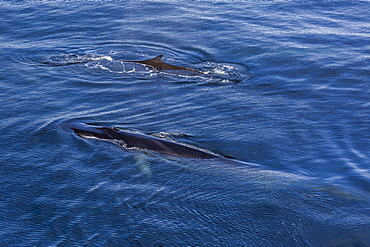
[
  {"x": 158, "y": 64},
  {"x": 156, "y": 59}
]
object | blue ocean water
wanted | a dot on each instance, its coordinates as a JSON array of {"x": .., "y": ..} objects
[{"x": 285, "y": 86}]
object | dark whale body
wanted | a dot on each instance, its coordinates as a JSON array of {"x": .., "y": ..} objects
[
  {"x": 132, "y": 140},
  {"x": 158, "y": 64}
]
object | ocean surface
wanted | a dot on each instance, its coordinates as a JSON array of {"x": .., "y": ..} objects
[{"x": 285, "y": 85}]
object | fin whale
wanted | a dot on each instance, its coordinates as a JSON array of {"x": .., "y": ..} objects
[
  {"x": 158, "y": 64},
  {"x": 133, "y": 140}
]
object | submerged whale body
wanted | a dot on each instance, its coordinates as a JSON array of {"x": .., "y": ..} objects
[
  {"x": 132, "y": 140},
  {"x": 158, "y": 64}
]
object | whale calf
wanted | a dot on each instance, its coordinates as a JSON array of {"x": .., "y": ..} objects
[
  {"x": 159, "y": 65},
  {"x": 133, "y": 140}
]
